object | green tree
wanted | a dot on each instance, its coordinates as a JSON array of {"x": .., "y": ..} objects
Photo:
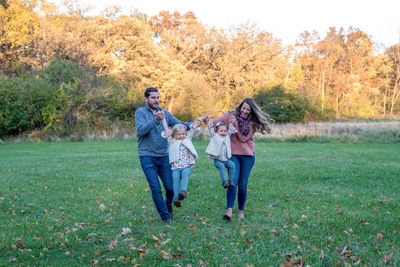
[
  {"x": 13, "y": 117},
  {"x": 3, "y": 3},
  {"x": 27, "y": 104},
  {"x": 72, "y": 88},
  {"x": 281, "y": 105}
]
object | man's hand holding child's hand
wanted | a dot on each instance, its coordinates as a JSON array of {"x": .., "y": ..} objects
[{"x": 160, "y": 115}]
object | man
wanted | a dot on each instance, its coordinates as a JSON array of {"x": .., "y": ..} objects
[{"x": 153, "y": 150}]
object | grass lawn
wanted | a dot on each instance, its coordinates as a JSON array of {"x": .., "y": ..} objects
[{"x": 76, "y": 204}]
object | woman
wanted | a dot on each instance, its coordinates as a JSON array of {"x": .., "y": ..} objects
[{"x": 248, "y": 118}]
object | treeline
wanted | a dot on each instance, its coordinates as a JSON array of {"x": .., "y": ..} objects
[{"x": 66, "y": 72}]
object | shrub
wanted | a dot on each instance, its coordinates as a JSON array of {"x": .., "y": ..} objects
[
  {"x": 283, "y": 106},
  {"x": 59, "y": 72},
  {"x": 13, "y": 116},
  {"x": 71, "y": 86}
]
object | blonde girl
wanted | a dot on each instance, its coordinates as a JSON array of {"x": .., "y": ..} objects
[{"x": 182, "y": 156}]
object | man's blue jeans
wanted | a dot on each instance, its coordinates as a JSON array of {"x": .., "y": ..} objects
[
  {"x": 152, "y": 168},
  {"x": 221, "y": 165},
  {"x": 243, "y": 166},
  {"x": 180, "y": 176}
]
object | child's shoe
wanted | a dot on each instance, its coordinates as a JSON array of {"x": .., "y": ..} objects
[
  {"x": 182, "y": 195},
  {"x": 231, "y": 183},
  {"x": 177, "y": 203},
  {"x": 225, "y": 184}
]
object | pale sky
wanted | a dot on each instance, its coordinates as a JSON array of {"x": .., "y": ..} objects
[{"x": 285, "y": 19}]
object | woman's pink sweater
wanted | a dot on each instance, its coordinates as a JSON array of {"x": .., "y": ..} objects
[{"x": 240, "y": 144}]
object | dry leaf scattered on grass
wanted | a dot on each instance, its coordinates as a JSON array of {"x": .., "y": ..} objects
[
  {"x": 125, "y": 231},
  {"x": 193, "y": 227},
  {"x": 102, "y": 207},
  {"x": 387, "y": 258}
]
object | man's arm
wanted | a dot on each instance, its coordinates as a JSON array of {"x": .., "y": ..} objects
[
  {"x": 172, "y": 121},
  {"x": 143, "y": 127}
]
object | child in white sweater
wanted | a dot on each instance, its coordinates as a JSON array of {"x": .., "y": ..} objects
[
  {"x": 219, "y": 149},
  {"x": 182, "y": 156}
]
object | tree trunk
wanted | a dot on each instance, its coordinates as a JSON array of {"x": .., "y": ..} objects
[
  {"x": 384, "y": 100},
  {"x": 337, "y": 105},
  {"x": 395, "y": 96},
  {"x": 323, "y": 92}
]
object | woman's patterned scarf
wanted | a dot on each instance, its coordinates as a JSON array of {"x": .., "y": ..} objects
[{"x": 244, "y": 124}]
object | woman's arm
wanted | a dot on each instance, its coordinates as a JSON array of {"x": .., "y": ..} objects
[{"x": 224, "y": 118}]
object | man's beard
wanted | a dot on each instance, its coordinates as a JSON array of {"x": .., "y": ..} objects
[{"x": 153, "y": 108}]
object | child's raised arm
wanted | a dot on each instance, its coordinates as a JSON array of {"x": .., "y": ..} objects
[
  {"x": 166, "y": 133},
  {"x": 165, "y": 126},
  {"x": 210, "y": 128},
  {"x": 194, "y": 128},
  {"x": 231, "y": 129}
]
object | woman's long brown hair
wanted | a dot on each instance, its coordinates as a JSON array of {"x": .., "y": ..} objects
[{"x": 259, "y": 118}]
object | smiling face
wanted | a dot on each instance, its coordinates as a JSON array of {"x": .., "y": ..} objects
[
  {"x": 222, "y": 130},
  {"x": 180, "y": 134},
  {"x": 153, "y": 100},
  {"x": 245, "y": 110}
]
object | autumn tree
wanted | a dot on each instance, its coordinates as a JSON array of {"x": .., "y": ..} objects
[
  {"x": 249, "y": 60},
  {"x": 18, "y": 28},
  {"x": 394, "y": 92},
  {"x": 338, "y": 72},
  {"x": 233, "y": 63},
  {"x": 198, "y": 69},
  {"x": 185, "y": 42}
]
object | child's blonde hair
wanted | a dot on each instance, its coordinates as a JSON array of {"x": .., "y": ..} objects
[{"x": 176, "y": 128}]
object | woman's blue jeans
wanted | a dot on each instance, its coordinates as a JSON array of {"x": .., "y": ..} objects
[
  {"x": 221, "y": 165},
  {"x": 152, "y": 168},
  {"x": 180, "y": 176},
  {"x": 243, "y": 167}
]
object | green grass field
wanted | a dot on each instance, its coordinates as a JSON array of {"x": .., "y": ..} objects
[{"x": 308, "y": 204}]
